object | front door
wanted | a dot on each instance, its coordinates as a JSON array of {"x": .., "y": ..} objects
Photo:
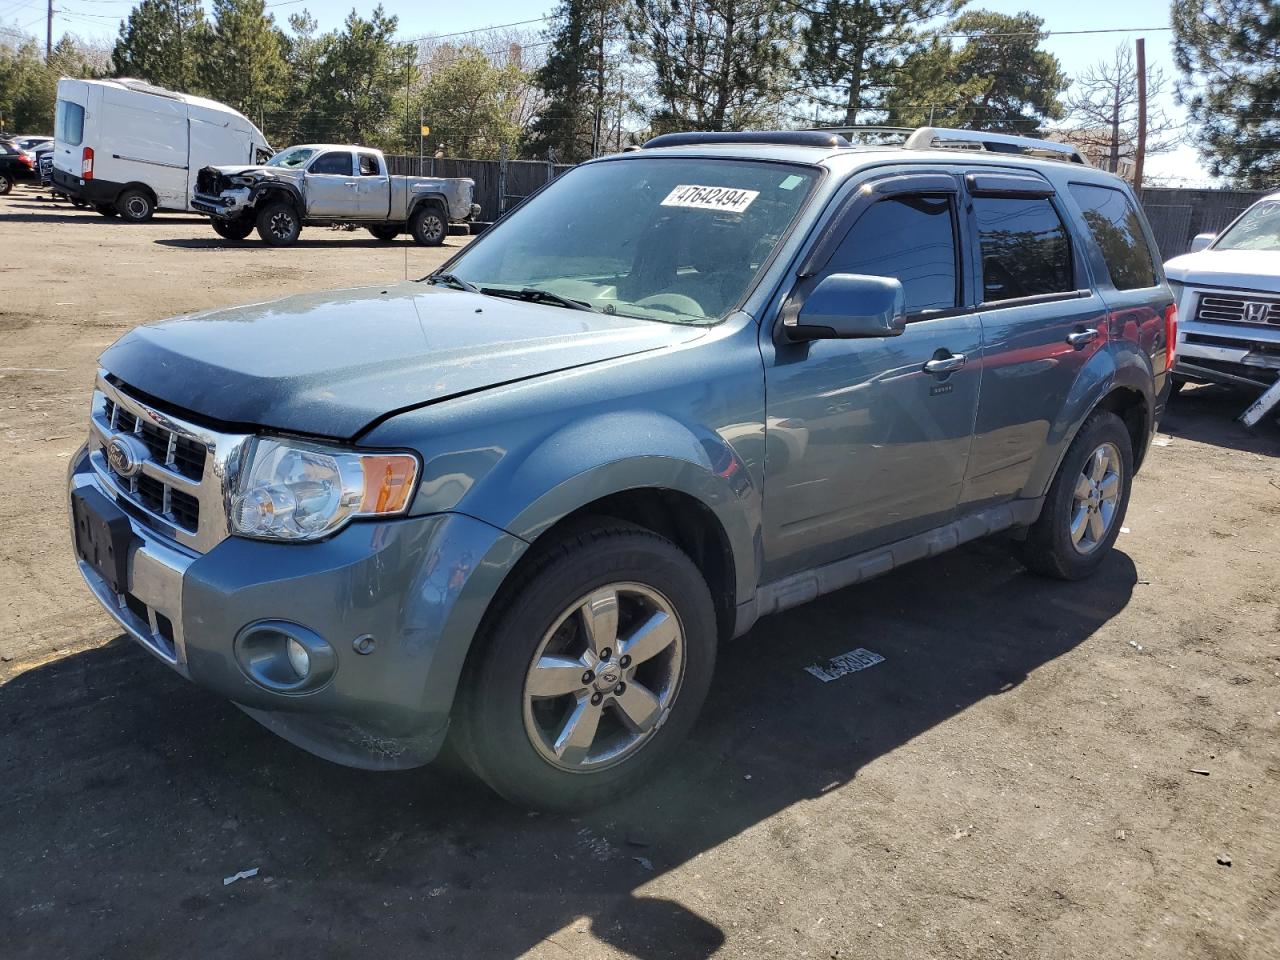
[
  {"x": 865, "y": 444},
  {"x": 331, "y": 186}
]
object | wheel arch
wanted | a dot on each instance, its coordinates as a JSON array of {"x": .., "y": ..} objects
[
  {"x": 421, "y": 200},
  {"x": 271, "y": 192}
]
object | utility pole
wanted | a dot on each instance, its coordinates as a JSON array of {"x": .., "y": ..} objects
[
  {"x": 48, "y": 35},
  {"x": 1140, "y": 153}
]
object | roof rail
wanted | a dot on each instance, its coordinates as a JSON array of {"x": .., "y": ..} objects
[
  {"x": 862, "y": 132},
  {"x": 934, "y": 138},
  {"x": 794, "y": 138}
]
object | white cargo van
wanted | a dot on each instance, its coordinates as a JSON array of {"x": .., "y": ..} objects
[{"x": 130, "y": 148}]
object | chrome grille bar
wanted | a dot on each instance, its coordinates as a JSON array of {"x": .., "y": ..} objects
[{"x": 1212, "y": 308}]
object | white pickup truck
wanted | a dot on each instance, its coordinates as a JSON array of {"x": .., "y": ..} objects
[{"x": 321, "y": 184}]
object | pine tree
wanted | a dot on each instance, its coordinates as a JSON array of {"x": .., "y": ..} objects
[
  {"x": 1228, "y": 52},
  {"x": 162, "y": 42},
  {"x": 361, "y": 70},
  {"x": 244, "y": 65}
]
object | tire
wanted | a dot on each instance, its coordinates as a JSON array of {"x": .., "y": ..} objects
[
  {"x": 1050, "y": 548},
  {"x": 236, "y": 229},
  {"x": 6, "y": 184},
  {"x": 106, "y": 209},
  {"x": 507, "y": 733},
  {"x": 278, "y": 224},
  {"x": 429, "y": 225},
  {"x": 135, "y": 206},
  {"x": 79, "y": 204},
  {"x": 385, "y": 234}
]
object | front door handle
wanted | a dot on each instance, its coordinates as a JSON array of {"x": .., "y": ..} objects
[
  {"x": 1081, "y": 337},
  {"x": 350, "y": 183},
  {"x": 941, "y": 366}
]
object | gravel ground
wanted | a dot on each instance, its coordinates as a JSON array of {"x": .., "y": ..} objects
[{"x": 1036, "y": 769}]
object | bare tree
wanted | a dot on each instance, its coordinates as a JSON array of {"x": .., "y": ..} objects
[{"x": 1102, "y": 112}]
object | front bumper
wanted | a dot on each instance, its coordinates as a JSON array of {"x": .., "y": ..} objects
[
  {"x": 228, "y": 205},
  {"x": 417, "y": 586}
]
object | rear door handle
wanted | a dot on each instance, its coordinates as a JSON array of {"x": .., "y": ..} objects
[
  {"x": 944, "y": 365},
  {"x": 1081, "y": 337}
]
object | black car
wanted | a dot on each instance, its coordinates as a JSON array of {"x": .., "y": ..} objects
[{"x": 15, "y": 167}]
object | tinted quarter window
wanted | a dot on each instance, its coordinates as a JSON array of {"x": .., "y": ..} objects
[
  {"x": 1117, "y": 230},
  {"x": 910, "y": 238},
  {"x": 335, "y": 163},
  {"x": 1025, "y": 248},
  {"x": 368, "y": 165},
  {"x": 68, "y": 123}
]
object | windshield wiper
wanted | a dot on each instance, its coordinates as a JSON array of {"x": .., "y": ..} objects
[
  {"x": 535, "y": 295},
  {"x": 449, "y": 280}
]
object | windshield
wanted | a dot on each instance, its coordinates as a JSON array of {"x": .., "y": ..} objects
[
  {"x": 293, "y": 157},
  {"x": 1257, "y": 229},
  {"x": 674, "y": 239}
]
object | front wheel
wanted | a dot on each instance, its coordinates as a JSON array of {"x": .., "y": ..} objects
[
  {"x": 5, "y": 184},
  {"x": 1086, "y": 504},
  {"x": 589, "y": 671},
  {"x": 429, "y": 225},
  {"x": 278, "y": 224},
  {"x": 236, "y": 229}
]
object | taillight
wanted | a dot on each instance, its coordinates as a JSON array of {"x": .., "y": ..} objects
[
  {"x": 25, "y": 160},
  {"x": 1170, "y": 334},
  {"x": 86, "y": 163}
]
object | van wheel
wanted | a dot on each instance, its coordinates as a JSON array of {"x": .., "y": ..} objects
[
  {"x": 589, "y": 670},
  {"x": 236, "y": 229},
  {"x": 5, "y": 185},
  {"x": 278, "y": 224},
  {"x": 136, "y": 206},
  {"x": 1086, "y": 505},
  {"x": 429, "y": 225},
  {"x": 106, "y": 209},
  {"x": 386, "y": 234}
]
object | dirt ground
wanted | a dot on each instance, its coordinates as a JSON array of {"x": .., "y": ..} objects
[{"x": 1036, "y": 769}]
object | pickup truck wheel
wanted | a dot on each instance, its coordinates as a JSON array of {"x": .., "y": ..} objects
[
  {"x": 589, "y": 670},
  {"x": 1087, "y": 501},
  {"x": 135, "y": 206},
  {"x": 5, "y": 184},
  {"x": 236, "y": 229},
  {"x": 429, "y": 225},
  {"x": 106, "y": 209},
  {"x": 278, "y": 224},
  {"x": 385, "y": 234}
]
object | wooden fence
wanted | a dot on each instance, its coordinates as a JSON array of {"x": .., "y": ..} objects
[{"x": 500, "y": 184}]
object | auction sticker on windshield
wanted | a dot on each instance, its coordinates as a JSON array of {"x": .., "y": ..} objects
[{"x": 728, "y": 199}]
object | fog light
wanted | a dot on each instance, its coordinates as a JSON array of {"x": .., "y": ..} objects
[{"x": 299, "y": 659}]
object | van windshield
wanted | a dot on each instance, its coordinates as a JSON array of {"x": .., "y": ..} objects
[
  {"x": 293, "y": 157},
  {"x": 68, "y": 123},
  {"x": 1257, "y": 229},
  {"x": 675, "y": 239}
]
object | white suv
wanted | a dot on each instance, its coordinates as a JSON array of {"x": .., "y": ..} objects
[{"x": 1228, "y": 293}]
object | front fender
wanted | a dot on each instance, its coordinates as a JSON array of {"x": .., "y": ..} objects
[{"x": 259, "y": 190}]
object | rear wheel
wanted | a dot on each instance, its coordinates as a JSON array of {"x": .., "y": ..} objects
[
  {"x": 590, "y": 671},
  {"x": 236, "y": 229},
  {"x": 386, "y": 234},
  {"x": 278, "y": 224},
  {"x": 5, "y": 184},
  {"x": 1086, "y": 504},
  {"x": 429, "y": 225},
  {"x": 135, "y": 205},
  {"x": 107, "y": 209}
]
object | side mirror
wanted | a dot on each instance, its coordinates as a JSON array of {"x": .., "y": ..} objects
[
  {"x": 1202, "y": 240},
  {"x": 849, "y": 306}
]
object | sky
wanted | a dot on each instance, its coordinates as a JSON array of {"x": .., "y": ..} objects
[{"x": 100, "y": 18}]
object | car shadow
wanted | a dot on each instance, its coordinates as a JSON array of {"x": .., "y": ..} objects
[
  {"x": 57, "y": 211},
  {"x": 132, "y": 794},
  {"x": 1208, "y": 414},
  {"x": 319, "y": 238}
]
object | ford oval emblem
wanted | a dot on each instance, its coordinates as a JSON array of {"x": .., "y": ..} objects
[{"x": 125, "y": 455}]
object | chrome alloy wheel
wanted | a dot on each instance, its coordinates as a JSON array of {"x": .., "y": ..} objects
[
  {"x": 433, "y": 227},
  {"x": 281, "y": 224},
  {"x": 1096, "y": 497},
  {"x": 603, "y": 677}
]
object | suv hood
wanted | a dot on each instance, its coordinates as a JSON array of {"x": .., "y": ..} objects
[
  {"x": 1244, "y": 269},
  {"x": 330, "y": 364}
]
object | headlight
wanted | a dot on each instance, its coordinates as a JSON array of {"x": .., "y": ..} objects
[{"x": 291, "y": 490}]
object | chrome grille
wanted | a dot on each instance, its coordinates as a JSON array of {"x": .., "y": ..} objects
[
  {"x": 183, "y": 486},
  {"x": 1256, "y": 310}
]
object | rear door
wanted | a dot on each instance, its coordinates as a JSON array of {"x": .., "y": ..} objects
[
  {"x": 865, "y": 445},
  {"x": 1041, "y": 322},
  {"x": 373, "y": 187},
  {"x": 330, "y": 186}
]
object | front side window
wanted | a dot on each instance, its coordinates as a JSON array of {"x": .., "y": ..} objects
[
  {"x": 660, "y": 238},
  {"x": 912, "y": 239},
  {"x": 369, "y": 165},
  {"x": 1257, "y": 229},
  {"x": 68, "y": 123},
  {"x": 333, "y": 164},
  {"x": 292, "y": 158},
  {"x": 1026, "y": 251},
  {"x": 1117, "y": 230}
]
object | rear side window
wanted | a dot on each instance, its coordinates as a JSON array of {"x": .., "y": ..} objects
[
  {"x": 369, "y": 165},
  {"x": 911, "y": 239},
  {"x": 1026, "y": 251},
  {"x": 68, "y": 123},
  {"x": 1116, "y": 229},
  {"x": 333, "y": 163}
]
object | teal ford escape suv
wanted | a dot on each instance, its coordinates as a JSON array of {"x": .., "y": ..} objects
[{"x": 519, "y": 502}]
